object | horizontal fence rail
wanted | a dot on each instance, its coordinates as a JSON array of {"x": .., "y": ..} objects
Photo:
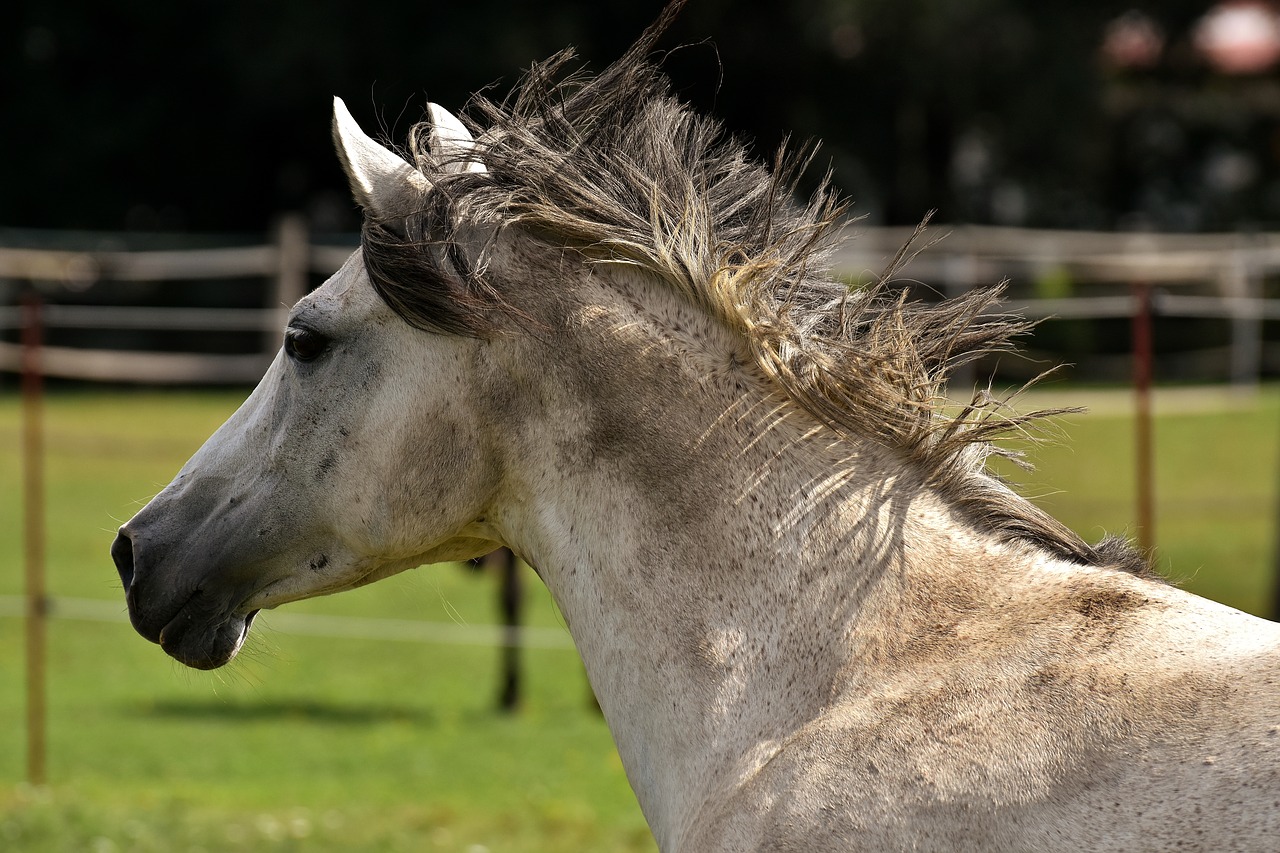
[
  {"x": 126, "y": 317},
  {"x": 1233, "y": 266},
  {"x": 315, "y": 625},
  {"x": 285, "y": 266},
  {"x": 84, "y": 268}
]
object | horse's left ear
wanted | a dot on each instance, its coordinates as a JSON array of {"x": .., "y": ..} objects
[
  {"x": 452, "y": 143},
  {"x": 383, "y": 183}
]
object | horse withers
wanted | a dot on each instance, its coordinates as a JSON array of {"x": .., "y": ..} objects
[{"x": 595, "y": 332}]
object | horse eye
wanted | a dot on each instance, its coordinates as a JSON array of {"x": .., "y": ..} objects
[{"x": 304, "y": 344}]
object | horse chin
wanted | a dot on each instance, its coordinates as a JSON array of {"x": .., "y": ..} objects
[{"x": 205, "y": 646}]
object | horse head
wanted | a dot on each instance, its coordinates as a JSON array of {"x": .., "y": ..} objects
[{"x": 360, "y": 453}]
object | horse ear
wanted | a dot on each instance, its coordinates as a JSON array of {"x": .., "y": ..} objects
[
  {"x": 386, "y": 186},
  {"x": 451, "y": 142}
]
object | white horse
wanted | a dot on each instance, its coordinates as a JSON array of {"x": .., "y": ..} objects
[{"x": 599, "y": 335}]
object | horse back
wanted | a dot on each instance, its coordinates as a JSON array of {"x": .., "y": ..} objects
[{"x": 1119, "y": 714}]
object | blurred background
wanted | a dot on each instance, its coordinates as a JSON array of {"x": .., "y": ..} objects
[
  {"x": 147, "y": 116},
  {"x": 170, "y": 186},
  {"x": 1138, "y": 143}
]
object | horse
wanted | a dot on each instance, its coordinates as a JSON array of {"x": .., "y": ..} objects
[{"x": 586, "y": 325}]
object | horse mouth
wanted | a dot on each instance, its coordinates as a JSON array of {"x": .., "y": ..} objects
[
  {"x": 204, "y": 630},
  {"x": 200, "y": 645}
]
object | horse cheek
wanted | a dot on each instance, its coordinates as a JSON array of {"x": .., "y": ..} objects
[{"x": 434, "y": 488}]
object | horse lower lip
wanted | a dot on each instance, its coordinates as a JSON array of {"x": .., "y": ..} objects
[
  {"x": 244, "y": 632},
  {"x": 204, "y": 645},
  {"x": 248, "y": 623}
]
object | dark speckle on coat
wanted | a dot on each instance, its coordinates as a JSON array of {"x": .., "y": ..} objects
[
  {"x": 327, "y": 465},
  {"x": 1098, "y": 604}
]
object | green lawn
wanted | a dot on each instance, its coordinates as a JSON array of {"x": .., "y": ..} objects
[
  {"x": 303, "y": 742},
  {"x": 344, "y": 744},
  {"x": 1217, "y": 468}
]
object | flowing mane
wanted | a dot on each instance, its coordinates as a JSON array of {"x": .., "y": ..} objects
[{"x": 615, "y": 167}]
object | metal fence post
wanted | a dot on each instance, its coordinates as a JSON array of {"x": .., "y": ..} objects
[{"x": 33, "y": 534}]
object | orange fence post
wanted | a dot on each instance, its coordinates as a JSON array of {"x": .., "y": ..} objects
[{"x": 33, "y": 535}]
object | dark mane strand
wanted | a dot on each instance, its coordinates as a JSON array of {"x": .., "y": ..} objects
[{"x": 418, "y": 267}]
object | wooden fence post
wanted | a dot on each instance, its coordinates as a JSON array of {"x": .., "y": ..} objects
[
  {"x": 1143, "y": 450},
  {"x": 1240, "y": 285},
  {"x": 959, "y": 275},
  {"x": 293, "y": 264}
]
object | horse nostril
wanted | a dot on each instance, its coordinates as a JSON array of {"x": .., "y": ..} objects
[{"x": 122, "y": 554}]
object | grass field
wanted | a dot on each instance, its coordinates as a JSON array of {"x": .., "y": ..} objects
[{"x": 318, "y": 744}]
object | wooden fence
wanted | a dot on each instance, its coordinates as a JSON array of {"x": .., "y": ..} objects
[
  {"x": 1212, "y": 275},
  {"x": 284, "y": 266},
  {"x": 1221, "y": 276}
]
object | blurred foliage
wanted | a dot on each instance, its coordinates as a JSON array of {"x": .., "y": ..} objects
[{"x": 214, "y": 116}]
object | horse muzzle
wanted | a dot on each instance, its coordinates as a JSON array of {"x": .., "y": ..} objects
[{"x": 197, "y": 624}]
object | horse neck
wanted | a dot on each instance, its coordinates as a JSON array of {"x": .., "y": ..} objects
[{"x": 714, "y": 553}]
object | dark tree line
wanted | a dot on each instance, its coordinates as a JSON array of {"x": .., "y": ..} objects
[{"x": 214, "y": 116}]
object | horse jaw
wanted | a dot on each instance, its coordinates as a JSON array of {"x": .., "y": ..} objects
[{"x": 382, "y": 182}]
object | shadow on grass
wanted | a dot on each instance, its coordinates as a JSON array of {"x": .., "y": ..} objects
[{"x": 309, "y": 710}]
